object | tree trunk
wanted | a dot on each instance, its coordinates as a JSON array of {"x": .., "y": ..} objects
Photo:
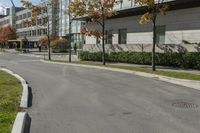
[
  {"x": 70, "y": 39},
  {"x": 48, "y": 36},
  {"x": 103, "y": 39},
  {"x": 154, "y": 45}
]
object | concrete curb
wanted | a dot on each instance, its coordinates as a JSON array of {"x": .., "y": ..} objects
[
  {"x": 19, "y": 124},
  {"x": 182, "y": 82}
]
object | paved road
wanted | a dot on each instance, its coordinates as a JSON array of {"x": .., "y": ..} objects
[{"x": 69, "y": 99}]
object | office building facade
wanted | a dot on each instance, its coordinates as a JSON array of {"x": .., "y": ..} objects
[
  {"x": 177, "y": 31},
  {"x": 33, "y": 33}
]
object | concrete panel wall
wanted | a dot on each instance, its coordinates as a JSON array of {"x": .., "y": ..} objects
[{"x": 180, "y": 25}]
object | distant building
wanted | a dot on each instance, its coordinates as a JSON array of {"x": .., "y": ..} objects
[
  {"x": 77, "y": 38},
  {"x": 16, "y": 16},
  {"x": 59, "y": 24}
]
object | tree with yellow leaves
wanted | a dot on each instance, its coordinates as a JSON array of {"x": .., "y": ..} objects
[
  {"x": 96, "y": 13},
  {"x": 154, "y": 7},
  {"x": 41, "y": 11}
]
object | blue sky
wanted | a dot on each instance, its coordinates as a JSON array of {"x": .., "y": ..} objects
[{"x": 7, "y": 3}]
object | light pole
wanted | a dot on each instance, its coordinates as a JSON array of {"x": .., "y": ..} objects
[{"x": 70, "y": 34}]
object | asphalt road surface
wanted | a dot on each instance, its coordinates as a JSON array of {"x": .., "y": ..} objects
[{"x": 68, "y": 99}]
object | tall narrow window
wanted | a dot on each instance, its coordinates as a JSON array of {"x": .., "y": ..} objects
[
  {"x": 98, "y": 40},
  {"x": 160, "y": 35},
  {"x": 122, "y": 36},
  {"x": 109, "y": 37}
]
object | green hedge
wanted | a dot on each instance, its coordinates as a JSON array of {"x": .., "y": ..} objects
[{"x": 187, "y": 60}]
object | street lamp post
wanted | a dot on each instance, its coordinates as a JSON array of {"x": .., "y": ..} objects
[{"x": 70, "y": 34}]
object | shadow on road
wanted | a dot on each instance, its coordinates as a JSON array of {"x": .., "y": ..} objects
[
  {"x": 30, "y": 96},
  {"x": 27, "y": 124}
]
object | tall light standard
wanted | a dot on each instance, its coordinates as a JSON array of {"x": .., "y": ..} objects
[
  {"x": 13, "y": 12},
  {"x": 70, "y": 34},
  {"x": 12, "y": 3}
]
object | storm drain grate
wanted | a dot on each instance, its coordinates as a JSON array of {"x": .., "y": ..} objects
[{"x": 186, "y": 105}]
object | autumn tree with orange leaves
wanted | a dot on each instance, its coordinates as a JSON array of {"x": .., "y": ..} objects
[
  {"x": 154, "y": 7},
  {"x": 96, "y": 12},
  {"x": 7, "y": 33}
]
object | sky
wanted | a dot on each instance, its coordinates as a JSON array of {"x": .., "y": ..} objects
[{"x": 7, "y": 3}]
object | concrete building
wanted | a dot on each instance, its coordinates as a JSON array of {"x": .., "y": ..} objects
[
  {"x": 58, "y": 19},
  {"x": 76, "y": 38},
  {"x": 16, "y": 16},
  {"x": 178, "y": 31}
]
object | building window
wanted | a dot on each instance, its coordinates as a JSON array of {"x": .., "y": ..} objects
[
  {"x": 44, "y": 31},
  {"x": 160, "y": 35},
  {"x": 34, "y": 23},
  {"x": 33, "y": 32},
  {"x": 39, "y": 22},
  {"x": 29, "y": 14},
  {"x": 39, "y": 32},
  {"x": 109, "y": 37},
  {"x": 29, "y": 33},
  {"x": 122, "y": 36},
  {"x": 98, "y": 40},
  {"x": 126, "y": 3},
  {"x": 24, "y": 16},
  {"x": 20, "y": 17}
]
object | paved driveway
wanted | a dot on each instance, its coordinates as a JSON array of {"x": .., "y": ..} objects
[{"x": 68, "y": 99}]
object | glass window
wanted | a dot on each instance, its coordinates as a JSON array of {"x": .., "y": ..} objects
[
  {"x": 33, "y": 33},
  {"x": 24, "y": 16},
  {"x": 122, "y": 36},
  {"x": 126, "y": 3},
  {"x": 160, "y": 34},
  {"x": 98, "y": 40},
  {"x": 29, "y": 14},
  {"x": 109, "y": 37}
]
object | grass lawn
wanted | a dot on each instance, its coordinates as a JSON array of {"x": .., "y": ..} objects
[
  {"x": 173, "y": 74},
  {"x": 10, "y": 93}
]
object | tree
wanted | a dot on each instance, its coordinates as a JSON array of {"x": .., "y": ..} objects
[
  {"x": 7, "y": 33},
  {"x": 41, "y": 10},
  {"x": 43, "y": 41},
  {"x": 154, "y": 7},
  {"x": 59, "y": 43},
  {"x": 97, "y": 12}
]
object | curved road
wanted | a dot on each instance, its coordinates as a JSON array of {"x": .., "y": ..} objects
[{"x": 69, "y": 99}]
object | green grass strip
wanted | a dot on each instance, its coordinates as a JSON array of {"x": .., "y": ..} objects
[{"x": 10, "y": 94}]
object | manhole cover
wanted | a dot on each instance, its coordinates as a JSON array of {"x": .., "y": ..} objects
[{"x": 186, "y": 105}]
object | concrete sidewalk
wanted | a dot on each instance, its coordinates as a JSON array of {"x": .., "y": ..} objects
[{"x": 163, "y": 68}]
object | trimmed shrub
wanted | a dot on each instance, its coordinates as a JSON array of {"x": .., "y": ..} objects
[{"x": 190, "y": 60}]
